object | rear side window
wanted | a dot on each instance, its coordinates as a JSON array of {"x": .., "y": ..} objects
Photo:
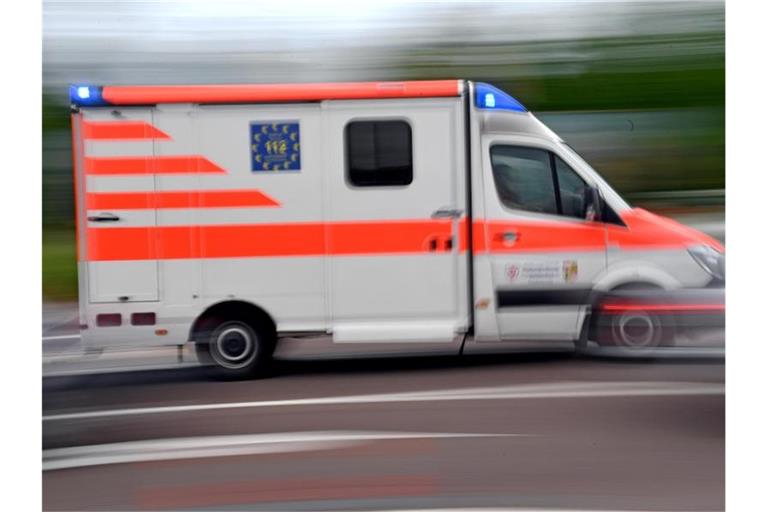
[
  {"x": 379, "y": 153},
  {"x": 523, "y": 178}
]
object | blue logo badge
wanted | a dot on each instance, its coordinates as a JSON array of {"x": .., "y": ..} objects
[{"x": 275, "y": 147}]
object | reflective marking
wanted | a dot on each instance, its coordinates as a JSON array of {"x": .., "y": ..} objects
[
  {"x": 222, "y": 446},
  {"x": 661, "y": 308},
  {"x": 132, "y": 165},
  {"x": 121, "y": 130},
  {"x": 177, "y": 199},
  {"x": 260, "y": 93},
  {"x": 548, "y": 390}
]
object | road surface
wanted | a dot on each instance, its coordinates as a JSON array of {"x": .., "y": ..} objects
[
  {"x": 139, "y": 430},
  {"x": 511, "y": 432}
]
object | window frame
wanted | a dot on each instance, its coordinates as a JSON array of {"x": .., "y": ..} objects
[
  {"x": 346, "y": 149},
  {"x": 553, "y": 173}
]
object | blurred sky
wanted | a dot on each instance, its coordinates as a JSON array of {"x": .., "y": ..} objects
[{"x": 145, "y": 41}]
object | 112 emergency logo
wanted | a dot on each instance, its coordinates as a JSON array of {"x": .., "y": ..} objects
[{"x": 275, "y": 146}]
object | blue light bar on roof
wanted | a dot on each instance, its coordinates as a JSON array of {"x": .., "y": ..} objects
[
  {"x": 86, "y": 95},
  {"x": 490, "y": 98}
]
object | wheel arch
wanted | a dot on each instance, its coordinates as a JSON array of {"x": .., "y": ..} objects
[
  {"x": 629, "y": 273},
  {"x": 232, "y": 309}
]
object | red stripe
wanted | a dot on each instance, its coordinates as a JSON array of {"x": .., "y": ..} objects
[
  {"x": 309, "y": 239},
  {"x": 150, "y": 165},
  {"x": 411, "y": 236},
  {"x": 261, "y": 240},
  {"x": 264, "y": 93},
  {"x": 541, "y": 236},
  {"x": 178, "y": 199},
  {"x": 121, "y": 130},
  {"x": 661, "y": 308}
]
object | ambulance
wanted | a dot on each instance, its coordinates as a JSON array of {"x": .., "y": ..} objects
[{"x": 362, "y": 219}]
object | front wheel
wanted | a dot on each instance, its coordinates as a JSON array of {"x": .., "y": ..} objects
[
  {"x": 634, "y": 330},
  {"x": 234, "y": 349}
]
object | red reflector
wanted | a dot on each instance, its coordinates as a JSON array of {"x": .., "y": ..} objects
[
  {"x": 109, "y": 320},
  {"x": 143, "y": 319}
]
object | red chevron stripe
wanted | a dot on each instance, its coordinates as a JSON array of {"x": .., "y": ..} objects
[
  {"x": 178, "y": 199},
  {"x": 121, "y": 130},
  {"x": 150, "y": 165}
]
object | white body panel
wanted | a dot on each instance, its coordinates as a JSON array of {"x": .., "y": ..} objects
[
  {"x": 328, "y": 291},
  {"x": 397, "y": 291},
  {"x": 409, "y": 298}
]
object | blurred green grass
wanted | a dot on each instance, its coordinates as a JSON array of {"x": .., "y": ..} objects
[{"x": 59, "y": 265}]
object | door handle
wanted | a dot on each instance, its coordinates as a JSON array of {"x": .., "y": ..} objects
[
  {"x": 507, "y": 238},
  {"x": 447, "y": 213},
  {"x": 104, "y": 217}
]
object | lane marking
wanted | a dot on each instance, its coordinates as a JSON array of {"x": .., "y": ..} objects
[
  {"x": 546, "y": 390},
  {"x": 62, "y": 337},
  {"x": 221, "y": 446}
]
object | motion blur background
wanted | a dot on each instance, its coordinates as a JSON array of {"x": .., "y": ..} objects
[{"x": 638, "y": 88}]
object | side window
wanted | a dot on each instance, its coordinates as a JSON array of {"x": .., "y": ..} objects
[
  {"x": 523, "y": 178},
  {"x": 379, "y": 153},
  {"x": 571, "y": 190}
]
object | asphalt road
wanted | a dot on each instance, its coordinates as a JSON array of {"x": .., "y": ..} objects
[{"x": 543, "y": 432}]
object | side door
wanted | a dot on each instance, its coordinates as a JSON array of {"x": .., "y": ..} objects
[
  {"x": 119, "y": 226},
  {"x": 395, "y": 196},
  {"x": 544, "y": 255}
]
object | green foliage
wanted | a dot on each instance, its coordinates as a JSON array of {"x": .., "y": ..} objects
[{"x": 59, "y": 265}]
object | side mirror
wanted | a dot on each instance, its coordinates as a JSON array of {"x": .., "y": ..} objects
[{"x": 593, "y": 205}]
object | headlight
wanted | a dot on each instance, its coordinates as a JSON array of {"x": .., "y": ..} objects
[{"x": 710, "y": 260}]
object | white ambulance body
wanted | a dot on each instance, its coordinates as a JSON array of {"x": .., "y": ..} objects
[{"x": 358, "y": 218}]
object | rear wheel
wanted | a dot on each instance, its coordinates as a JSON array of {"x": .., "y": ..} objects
[{"x": 234, "y": 349}]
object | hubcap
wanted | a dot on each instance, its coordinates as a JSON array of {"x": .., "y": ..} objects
[
  {"x": 234, "y": 344},
  {"x": 636, "y": 330}
]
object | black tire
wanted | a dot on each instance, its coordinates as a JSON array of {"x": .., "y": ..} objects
[
  {"x": 234, "y": 349},
  {"x": 634, "y": 330}
]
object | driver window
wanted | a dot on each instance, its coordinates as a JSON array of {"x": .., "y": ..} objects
[
  {"x": 523, "y": 178},
  {"x": 571, "y": 190}
]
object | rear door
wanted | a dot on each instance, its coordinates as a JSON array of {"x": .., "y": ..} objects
[
  {"x": 544, "y": 256},
  {"x": 394, "y": 206},
  {"x": 119, "y": 181}
]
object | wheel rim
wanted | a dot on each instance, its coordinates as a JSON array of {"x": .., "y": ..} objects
[
  {"x": 636, "y": 330},
  {"x": 234, "y": 346}
]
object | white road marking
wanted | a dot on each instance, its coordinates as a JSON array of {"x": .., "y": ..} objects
[
  {"x": 546, "y": 390},
  {"x": 62, "y": 337},
  {"x": 221, "y": 446}
]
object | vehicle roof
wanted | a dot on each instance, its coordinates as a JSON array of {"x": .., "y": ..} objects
[{"x": 87, "y": 95}]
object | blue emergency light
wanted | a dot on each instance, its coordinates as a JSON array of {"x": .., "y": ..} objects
[
  {"x": 490, "y": 98},
  {"x": 86, "y": 95}
]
